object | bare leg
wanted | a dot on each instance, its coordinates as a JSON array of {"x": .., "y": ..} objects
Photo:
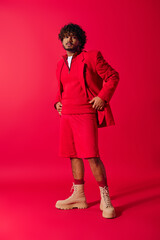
[
  {"x": 97, "y": 168},
  {"x": 77, "y": 168}
]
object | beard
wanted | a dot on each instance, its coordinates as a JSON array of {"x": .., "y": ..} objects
[{"x": 73, "y": 49}]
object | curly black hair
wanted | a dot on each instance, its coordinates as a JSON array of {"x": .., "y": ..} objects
[{"x": 74, "y": 29}]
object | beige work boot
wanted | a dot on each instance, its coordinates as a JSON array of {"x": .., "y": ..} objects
[
  {"x": 105, "y": 204},
  {"x": 76, "y": 200}
]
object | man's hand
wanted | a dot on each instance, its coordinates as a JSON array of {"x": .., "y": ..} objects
[
  {"x": 98, "y": 103},
  {"x": 59, "y": 107}
]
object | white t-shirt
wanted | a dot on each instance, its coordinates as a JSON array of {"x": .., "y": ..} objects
[{"x": 69, "y": 59}]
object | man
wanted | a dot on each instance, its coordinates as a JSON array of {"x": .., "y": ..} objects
[{"x": 86, "y": 83}]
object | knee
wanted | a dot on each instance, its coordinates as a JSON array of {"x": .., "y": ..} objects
[{"x": 94, "y": 161}]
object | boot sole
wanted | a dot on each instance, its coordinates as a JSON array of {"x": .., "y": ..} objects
[
  {"x": 72, "y": 206},
  {"x": 109, "y": 215}
]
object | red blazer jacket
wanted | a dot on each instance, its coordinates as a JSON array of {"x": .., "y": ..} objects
[{"x": 97, "y": 75}]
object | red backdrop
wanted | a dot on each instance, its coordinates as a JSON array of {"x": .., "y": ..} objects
[{"x": 127, "y": 34}]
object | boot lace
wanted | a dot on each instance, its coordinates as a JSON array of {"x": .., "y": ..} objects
[
  {"x": 73, "y": 187},
  {"x": 106, "y": 197}
]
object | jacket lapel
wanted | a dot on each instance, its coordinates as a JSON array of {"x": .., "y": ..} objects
[{"x": 80, "y": 70}]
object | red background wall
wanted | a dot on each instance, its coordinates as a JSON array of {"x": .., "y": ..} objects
[{"x": 127, "y": 34}]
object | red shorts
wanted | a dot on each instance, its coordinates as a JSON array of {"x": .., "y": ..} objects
[{"x": 78, "y": 136}]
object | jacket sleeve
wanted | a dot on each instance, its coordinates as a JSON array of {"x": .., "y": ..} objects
[
  {"x": 109, "y": 76},
  {"x": 58, "y": 95},
  {"x": 57, "y": 99}
]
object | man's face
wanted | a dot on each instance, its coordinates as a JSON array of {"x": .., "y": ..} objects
[{"x": 70, "y": 42}]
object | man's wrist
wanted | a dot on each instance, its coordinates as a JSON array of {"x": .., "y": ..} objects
[{"x": 103, "y": 100}]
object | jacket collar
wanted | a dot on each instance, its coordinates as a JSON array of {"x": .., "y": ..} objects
[{"x": 74, "y": 56}]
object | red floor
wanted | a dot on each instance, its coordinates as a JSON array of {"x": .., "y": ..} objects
[{"x": 27, "y": 211}]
